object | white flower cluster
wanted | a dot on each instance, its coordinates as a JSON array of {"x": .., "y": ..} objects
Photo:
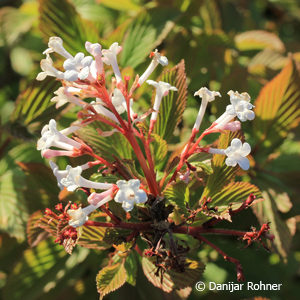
[
  {"x": 79, "y": 75},
  {"x": 241, "y": 108}
]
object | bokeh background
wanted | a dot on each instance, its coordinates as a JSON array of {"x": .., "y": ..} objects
[{"x": 227, "y": 44}]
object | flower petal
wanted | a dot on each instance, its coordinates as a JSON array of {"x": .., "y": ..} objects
[{"x": 243, "y": 163}]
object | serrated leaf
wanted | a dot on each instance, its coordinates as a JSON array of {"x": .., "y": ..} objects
[
  {"x": 234, "y": 193},
  {"x": 178, "y": 195},
  {"x": 146, "y": 32},
  {"x": 13, "y": 212},
  {"x": 277, "y": 110},
  {"x": 110, "y": 278},
  {"x": 41, "y": 185},
  {"x": 89, "y": 236},
  {"x": 131, "y": 266},
  {"x": 173, "y": 280},
  {"x": 222, "y": 174},
  {"x": 93, "y": 237},
  {"x": 108, "y": 147},
  {"x": 257, "y": 40},
  {"x": 159, "y": 150},
  {"x": 266, "y": 59},
  {"x": 172, "y": 105},
  {"x": 60, "y": 18},
  {"x": 35, "y": 234},
  {"x": 37, "y": 271},
  {"x": 266, "y": 211},
  {"x": 33, "y": 106}
]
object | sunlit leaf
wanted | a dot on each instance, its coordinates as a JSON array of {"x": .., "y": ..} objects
[
  {"x": 33, "y": 106},
  {"x": 266, "y": 211},
  {"x": 40, "y": 269},
  {"x": 173, "y": 105},
  {"x": 59, "y": 18},
  {"x": 13, "y": 212},
  {"x": 178, "y": 194},
  {"x": 108, "y": 147},
  {"x": 257, "y": 40},
  {"x": 159, "y": 150},
  {"x": 120, "y": 4},
  {"x": 35, "y": 234},
  {"x": 222, "y": 174},
  {"x": 173, "y": 280},
  {"x": 277, "y": 110},
  {"x": 110, "y": 278},
  {"x": 145, "y": 33}
]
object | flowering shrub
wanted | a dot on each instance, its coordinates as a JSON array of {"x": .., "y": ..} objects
[{"x": 141, "y": 195}]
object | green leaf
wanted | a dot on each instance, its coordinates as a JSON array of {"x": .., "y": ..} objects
[
  {"x": 33, "y": 106},
  {"x": 60, "y": 18},
  {"x": 172, "y": 105},
  {"x": 35, "y": 234},
  {"x": 277, "y": 110},
  {"x": 266, "y": 211},
  {"x": 159, "y": 150},
  {"x": 265, "y": 60},
  {"x": 89, "y": 236},
  {"x": 234, "y": 193},
  {"x": 173, "y": 280},
  {"x": 13, "y": 212},
  {"x": 146, "y": 32},
  {"x": 13, "y": 23},
  {"x": 110, "y": 278},
  {"x": 222, "y": 174},
  {"x": 93, "y": 237},
  {"x": 131, "y": 268},
  {"x": 257, "y": 40},
  {"x": 108, "y": 147},
  {"x": 120, "y": 4},
  {"x": 41, "y": 185},
  {"x": 40, "y": 269},
  {"x": 178, "y": 195}
]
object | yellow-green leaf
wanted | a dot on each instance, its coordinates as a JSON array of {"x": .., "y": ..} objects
[
  {"x": 173, "y": 105},
  {"x": 110, "y": 278},
  {"x": 173, "y": 280},
  {"x": 257, "y": 40},
  {"x": 277, "y": 109}
]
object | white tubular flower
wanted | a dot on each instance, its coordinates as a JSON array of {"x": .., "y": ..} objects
[
  {"x": 207, "y": 96},
  {"x": 77, "y": 67},
  {"x": 55, "y": 44},
  {"x": 240, "y": 107},
  {"x": 130, "y": 193},
  {"x": 99, "y": 199},
  {"x": 51, "y": 137},
  {"x": 95, "y": 50},
  {"x": 48, "y": 70},
  {"x": 232, "y": 126},
  {"x": 110, "y": 58},
  {"x": 162, "y": 89},
  {"x": 157, "y": 59},
  {"x": 100, "y": 109},
  {"x": 64, "y": 95},
  {"x": 79, "y": 216},
  {"x": 73, "y": 180},
  {"x": 119, "y": 101},
  {"x": 236, "y": 154}
]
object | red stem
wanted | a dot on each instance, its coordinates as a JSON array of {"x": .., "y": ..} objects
[{"x": 239, "y": 268}]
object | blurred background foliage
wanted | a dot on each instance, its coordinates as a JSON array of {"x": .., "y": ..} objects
[{"x": 239, "y": 45}]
